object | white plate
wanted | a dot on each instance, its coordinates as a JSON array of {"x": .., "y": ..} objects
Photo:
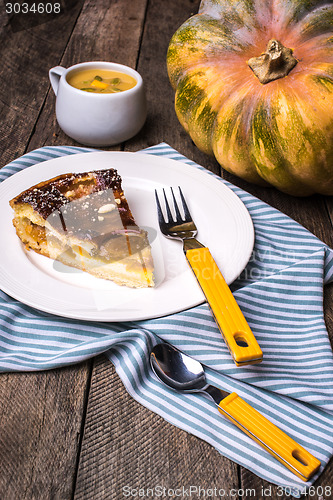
[{"x": 224, "y": 225}]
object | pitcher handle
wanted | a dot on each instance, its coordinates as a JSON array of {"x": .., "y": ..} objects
[{"x": 54, "y": 75}]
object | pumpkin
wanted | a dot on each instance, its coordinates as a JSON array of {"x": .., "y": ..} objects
[{"x": 254, "y": 87}]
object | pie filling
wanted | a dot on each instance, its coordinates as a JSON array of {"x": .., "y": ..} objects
[{"x": 87, "y": 225}]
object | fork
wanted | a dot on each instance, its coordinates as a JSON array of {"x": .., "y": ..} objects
[{"x": 234, "y": 328}]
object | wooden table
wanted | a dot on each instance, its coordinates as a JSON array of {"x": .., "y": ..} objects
[{"x": 75, "y": 433}]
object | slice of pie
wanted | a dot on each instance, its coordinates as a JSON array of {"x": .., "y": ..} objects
[{"x": 83, "y": 220}]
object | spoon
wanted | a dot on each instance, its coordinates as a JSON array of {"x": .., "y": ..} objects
[{"x": 183, "y": 373}]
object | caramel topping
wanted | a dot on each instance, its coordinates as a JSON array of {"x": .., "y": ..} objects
[
  {"x": 44, "y": 200},
  {"x": 50, "y": 196},
  {"x": 82, "y": 217}
]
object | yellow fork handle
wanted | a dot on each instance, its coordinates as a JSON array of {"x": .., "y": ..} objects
[
  {"x": 234, "y": 328},
  {"x": 274, "y": 440}
]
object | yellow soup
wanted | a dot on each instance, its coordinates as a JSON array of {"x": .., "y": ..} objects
[{"x": 101, "y": 81}]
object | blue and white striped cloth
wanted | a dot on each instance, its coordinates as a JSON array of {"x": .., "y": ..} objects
[{"x": 281, "y": 295}]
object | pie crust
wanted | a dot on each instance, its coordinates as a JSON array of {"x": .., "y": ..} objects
[{"x": 84, "y": 221}]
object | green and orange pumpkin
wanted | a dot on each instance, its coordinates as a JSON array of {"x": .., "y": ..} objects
[{"x": 254, "y": 87}]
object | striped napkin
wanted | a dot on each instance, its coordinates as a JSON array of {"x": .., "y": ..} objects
[{"x": 281, "y": 295}]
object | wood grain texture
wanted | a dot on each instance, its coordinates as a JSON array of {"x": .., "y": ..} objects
[{"x": 41, "y": 418}]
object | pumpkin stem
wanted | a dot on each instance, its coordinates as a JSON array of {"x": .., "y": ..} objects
[{"x": 275, "y": 63}]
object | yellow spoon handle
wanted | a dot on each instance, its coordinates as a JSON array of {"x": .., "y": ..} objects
[
  {"x": 235, "y": 330},
  {"x": 274, "y": 440}
]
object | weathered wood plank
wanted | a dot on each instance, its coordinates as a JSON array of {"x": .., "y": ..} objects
[
  {"x": 26, "y": 57},
  {"x": 41, "y": 419}
]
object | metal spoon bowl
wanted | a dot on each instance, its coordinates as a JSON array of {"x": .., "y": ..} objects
[{"x": 177, "y": 370}]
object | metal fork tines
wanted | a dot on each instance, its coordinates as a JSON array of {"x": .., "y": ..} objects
[
  {"x": 181, "y": 226},
  {"x": 229, "y": 318}
]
